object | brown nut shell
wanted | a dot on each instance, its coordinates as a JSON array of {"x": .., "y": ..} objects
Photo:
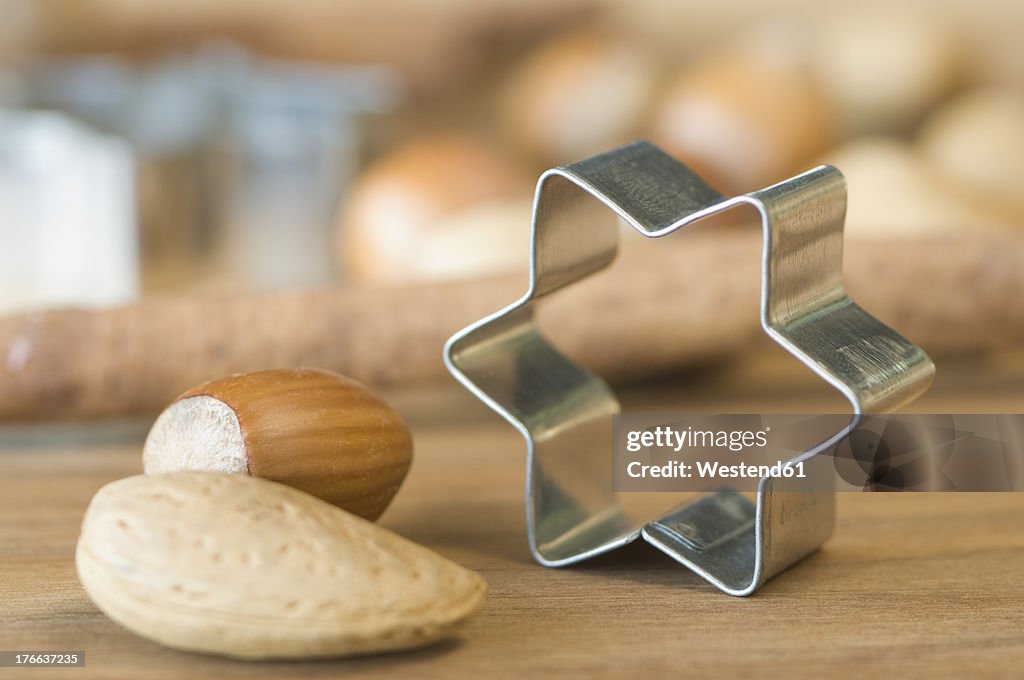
[{"x": 313, "y": 430}]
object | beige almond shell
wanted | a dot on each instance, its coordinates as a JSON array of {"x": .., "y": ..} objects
[
  {"x": 248, "y": 568},
  {"x": 315, "y": 430}
]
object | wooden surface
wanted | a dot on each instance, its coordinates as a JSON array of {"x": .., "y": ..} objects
[{"x": 917, "y": 584}]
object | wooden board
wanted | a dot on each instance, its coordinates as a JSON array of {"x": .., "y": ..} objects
[{"x": 925, "y": 584}]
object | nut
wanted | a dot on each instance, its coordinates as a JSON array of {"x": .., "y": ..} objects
[
  {"x": 244, "y": 567},
  {"x": 317, "y": 431}
]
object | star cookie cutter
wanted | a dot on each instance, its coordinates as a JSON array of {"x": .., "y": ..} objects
[{"x": 564, "y": 412}]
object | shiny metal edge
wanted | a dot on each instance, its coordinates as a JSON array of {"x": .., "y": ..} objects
[{"x": 561, "y": 409}]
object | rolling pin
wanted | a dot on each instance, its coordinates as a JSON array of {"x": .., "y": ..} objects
[{"x": 656, "y": 310}]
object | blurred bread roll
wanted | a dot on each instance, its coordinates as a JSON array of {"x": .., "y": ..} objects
[
  {"x": 483, "y": 240},
  {"x": 977, "y": 143},
  {"x": 745, "y": 116},
  {"x": 883, "y": 66},
  {"x": 577, "y": 95},
  {"x": 893, "y": 192},
  {"x": 437, "y": 207}
]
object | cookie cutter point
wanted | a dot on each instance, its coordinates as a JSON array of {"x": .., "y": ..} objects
[{"x": 564, "y": 412}]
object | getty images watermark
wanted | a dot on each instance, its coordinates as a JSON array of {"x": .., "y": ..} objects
[{"x": 935, "y": 452}]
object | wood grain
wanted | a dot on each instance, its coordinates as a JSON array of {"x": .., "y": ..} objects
[{"x": 918, "y": 584}]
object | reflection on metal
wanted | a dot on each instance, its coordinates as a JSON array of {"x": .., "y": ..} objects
[{"x": 564, "y": 412}]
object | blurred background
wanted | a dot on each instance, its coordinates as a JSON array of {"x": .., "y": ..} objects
[{"x": 154, "y": 148}]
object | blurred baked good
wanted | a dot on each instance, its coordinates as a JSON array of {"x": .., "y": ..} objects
[
  {"x": 977, "y": 143},
  {"x": 436, "y": 207},
  {"x": 576, "y": 96},
  {"x": 893, "y": 192},
  {"x": 883, "y": 66},
  {"x": 745, "y": 116}
]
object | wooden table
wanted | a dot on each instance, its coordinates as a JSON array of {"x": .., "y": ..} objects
[{"x": 916, "y": 584}]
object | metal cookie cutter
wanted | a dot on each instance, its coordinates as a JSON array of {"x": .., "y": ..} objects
[{"x": 564, "y": 412}]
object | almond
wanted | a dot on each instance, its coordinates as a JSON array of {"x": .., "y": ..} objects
[{"x": 248, "y": 568}]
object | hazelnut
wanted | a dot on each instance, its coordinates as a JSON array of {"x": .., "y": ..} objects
[{"x": 317, "y": 431}]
